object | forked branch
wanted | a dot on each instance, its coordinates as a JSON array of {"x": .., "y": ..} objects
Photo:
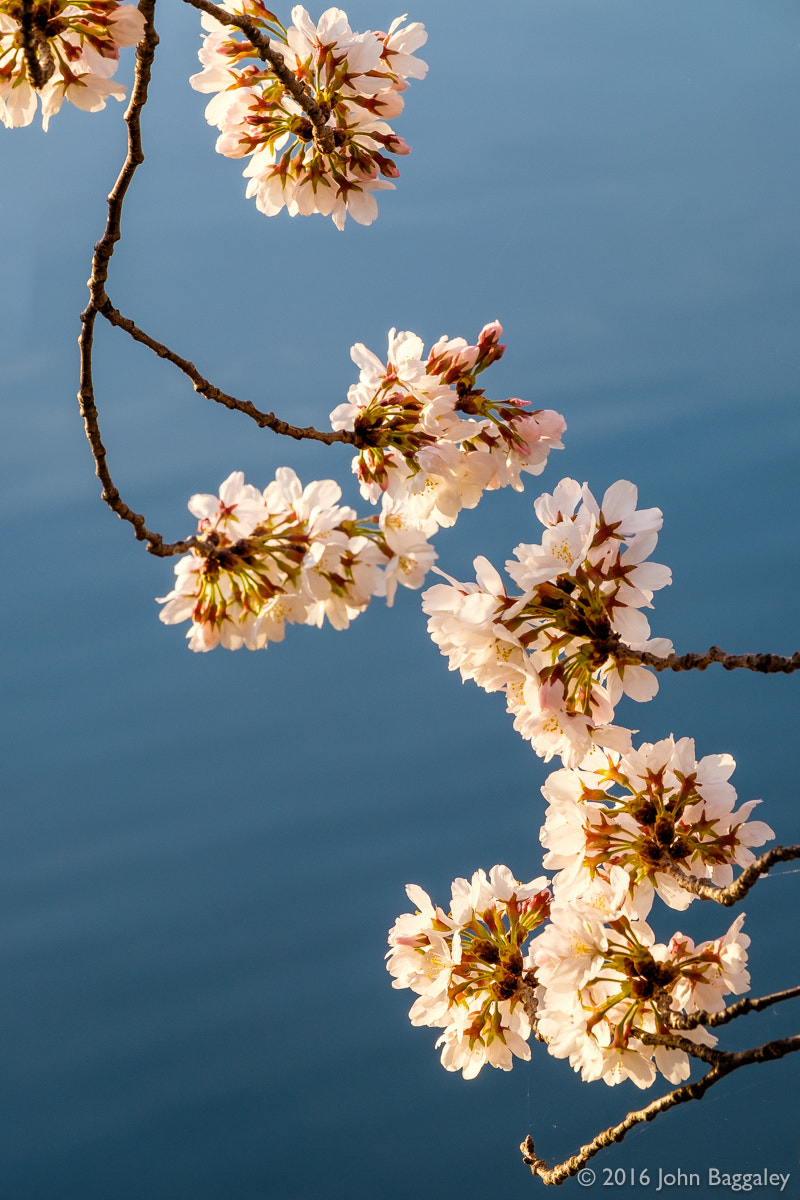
[
  {"x": 766, "y": 664},
  {"x": 738, "y": 889},
  {"x": 101, "y": 258},
  {"x": 264, "y": 420},
  {"x": 690, "y": 1091},
  {"x": 100, "y": 303}
]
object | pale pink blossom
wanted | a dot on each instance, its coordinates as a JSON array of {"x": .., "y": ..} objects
[
  {"x": 575, "y": 618},
  {"x": 467, "y": 967},
  {"x": 355, "y": 79},
  {"x": 603, "y": 982},
  {"x": 287, "y": 555},
  {"x": 428, "y": 438},
  {"x": 648, "y": 810},
  {"x": 78, "y": 48}
]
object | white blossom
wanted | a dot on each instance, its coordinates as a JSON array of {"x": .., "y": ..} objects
[
  {"x": 287, "y": 555},
  {"x": 603, "y": 982},
  {"x": 428, "y": 438},
  {"x": 467, "y": 967},
  {"x": 77, "y": 48},
  {"x": 354, "y": 79}
]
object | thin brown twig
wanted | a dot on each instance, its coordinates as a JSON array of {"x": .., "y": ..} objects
[
  {"x": 323, "y": 134},
  {"x": 707, "y": 1054},
  {"x": 100, "y": 303},
  {"x": 97, "y": 297},
  {"x": 264, "y": 420},
  {"x": 769, "y": 1052},
  {"x": 738, "y": 889},
  {"x": 766, "y": 664},
  {"x": 740, "y": 1008}
]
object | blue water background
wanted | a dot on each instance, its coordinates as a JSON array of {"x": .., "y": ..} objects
[{"x": 201, "y": 854}]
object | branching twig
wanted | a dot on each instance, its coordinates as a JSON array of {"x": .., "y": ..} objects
[
  {"x": 323, "y": 134},
  {"x": 739, "y": 1009},
  {"x": 707, "y": 1054},
  {"x": 100, "y": 303},
  {"x": 205, "y": 388},
  {"x": 736, "y": 891},
  {"x": 97, "y": 296},
  {"x": 767, "y": 664},
  {"x": 689, "y": 1091}
]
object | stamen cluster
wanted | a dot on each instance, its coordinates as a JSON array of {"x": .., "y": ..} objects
[
  {"x": 467, "y": 967},
  {"x": 647, "y": 811}
]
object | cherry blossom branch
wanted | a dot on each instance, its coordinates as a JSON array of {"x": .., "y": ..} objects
[
  {"x": 209, "y": 390},
  {"x": 323, "y": 134},
  {"x": 767, "y": 664},
  {"x": 101, "y": 258},
  {"x": 738, "y": 889},
  {"x": 729, "y": 1062},
  {"x": 741, "y": 1007},
  {"x": 707, "y": 1054},
  {"x": 100, "y": 303}
]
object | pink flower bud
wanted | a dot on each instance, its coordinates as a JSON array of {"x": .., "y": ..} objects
[
  {"x": 490, "y": 334},
  {"x": 386, "y": 167},
  {"x": 397, "y": 145}
]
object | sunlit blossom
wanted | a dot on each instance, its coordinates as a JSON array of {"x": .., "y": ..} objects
[
  {"x": 287, "y": 555},
  {"x": 77, "y": 48},
  {"x": 467, "y": 967},
  {"x": 576, "y": 616},
  {"x": 354, "y": 79},
  {"x": 601, "y": 985},
  {"x": 648, "y": 811},
  {"x": 428, "y": 438}
]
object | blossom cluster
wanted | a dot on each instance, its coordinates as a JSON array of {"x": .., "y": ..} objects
[
  {"x": 430, "y": 439},
  {"x": 356, "y": 81},
  {"x": 467, "y": 967},
  {"x": 554, "y": 649},
  {"x": 623, "y": 824},
  {"x": 76, "y": 46},
  {"x": 618, "y": 831},
  {"x": 591, "y": 983},
  {"x": 648, "y": 812},
  {"x": 285, "y": 555},
  {"x": 603, "y": 981},
  {"x": 294, "y": 555},
  {"x": 621, "y": 828}
]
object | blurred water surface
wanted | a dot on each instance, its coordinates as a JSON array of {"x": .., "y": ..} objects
[{"x": 201, "y": 855}]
